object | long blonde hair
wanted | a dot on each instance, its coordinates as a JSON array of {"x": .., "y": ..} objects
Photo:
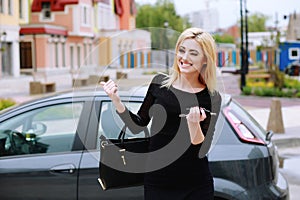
[{"x": 207, "y": 74}]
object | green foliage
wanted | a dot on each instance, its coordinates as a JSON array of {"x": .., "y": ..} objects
[
  {"x": 288, "y": 93},
  {"x": 278, "y": 92},
  {"x": 247, "y": 90},
  {"x": 291, "y": 83},
  {"x": 224, "y": 38},
  {"x": 152, "y": 18},
  {"x": 257, "y": 22},
  {"x": 258, "y": 91},
  {"x": 5, "y": 103},
  {"x": 267, "y": 92},
  {"x": 285, "y": 86}
]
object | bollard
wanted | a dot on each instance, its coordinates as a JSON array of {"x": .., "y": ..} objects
[{"x": 275, "y": 122}]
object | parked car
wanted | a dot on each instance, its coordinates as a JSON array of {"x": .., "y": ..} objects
[
  {"x": 49, "y": 149},
  {"x": 293, "y": 69}
]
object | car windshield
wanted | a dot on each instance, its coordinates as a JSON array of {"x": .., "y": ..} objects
[{"x": 246, "y": 118}]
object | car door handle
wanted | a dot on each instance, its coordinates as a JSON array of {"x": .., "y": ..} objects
[{"x": 64, "y": 168}]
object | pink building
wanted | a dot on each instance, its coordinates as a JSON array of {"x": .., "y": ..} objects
[
  {"x": 66, "y": 35},
  {"x": 60, "y": 35}
]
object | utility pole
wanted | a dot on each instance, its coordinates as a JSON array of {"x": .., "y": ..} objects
[
  {"x": 246, "y": 30},
  {"x": 243, "y": 75},
  {"x": 244, "y": 45}
]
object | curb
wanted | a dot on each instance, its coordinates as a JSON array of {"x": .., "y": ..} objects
[{"x": 287, "y": 143}]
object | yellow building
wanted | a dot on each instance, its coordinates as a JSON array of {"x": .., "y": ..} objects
[{"x": 12, "y": 13}]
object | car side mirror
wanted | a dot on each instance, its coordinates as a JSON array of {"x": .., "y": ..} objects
[{"x": 269, "y": 135}]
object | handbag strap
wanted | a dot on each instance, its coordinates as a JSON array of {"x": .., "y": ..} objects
[{"x": 123, "y": 133}]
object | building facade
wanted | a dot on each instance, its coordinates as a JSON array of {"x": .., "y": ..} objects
[
  {"x": 207, "y": 19},
  {"x": 12, "y": 14},
  {"x": 293, "y": 30},
  {"x": 68, "y": 35}
]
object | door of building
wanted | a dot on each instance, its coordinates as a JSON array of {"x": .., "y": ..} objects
[{"x": 25, "y": 55}]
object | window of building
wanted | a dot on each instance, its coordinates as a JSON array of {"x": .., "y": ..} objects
[
  {"x": 21, "y": 10},
  {"x": 85, "y": 15},
  {"x": 10, "y": 7},
  {"x": 85, "y": 54},
  {"x": 107, "y": 19},
  {"x": 56, "y": 55},
  {"x": 294, "y": 53},
  {"x": 46, "y": 10},
  {"x": 63, "y": 46},
  {"x": 1, "y": 6},
  {"x": 91, "y": 54},
  {"x": 78, "y": 56},
  {"x": 72, "y": 56}
]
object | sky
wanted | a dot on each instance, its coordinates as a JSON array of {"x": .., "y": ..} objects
[{"x": 229, "y": 10}]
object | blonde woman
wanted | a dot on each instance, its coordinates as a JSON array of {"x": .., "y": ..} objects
[{"x": 181, "y": 106}]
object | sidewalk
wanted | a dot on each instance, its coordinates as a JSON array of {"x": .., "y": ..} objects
[{"x": 258, "y": 107}]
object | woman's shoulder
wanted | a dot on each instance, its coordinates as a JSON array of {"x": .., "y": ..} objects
[{"x": 159, "y": 78}]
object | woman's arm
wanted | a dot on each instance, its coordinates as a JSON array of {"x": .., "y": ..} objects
[
  {"x": 195, "y": 116},
  {"x": 135, "y": 122},
  {"x": 111, "y": 89}
]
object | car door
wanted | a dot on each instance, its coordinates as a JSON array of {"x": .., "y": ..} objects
[
  {"x": 103, "y": 121},
  {"x": 37, "y": 160}
]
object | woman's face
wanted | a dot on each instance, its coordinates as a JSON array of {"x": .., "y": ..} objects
[{"x": 190, "y": 57}]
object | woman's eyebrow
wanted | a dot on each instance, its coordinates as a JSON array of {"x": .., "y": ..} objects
[{"x": 194, "y": 50}]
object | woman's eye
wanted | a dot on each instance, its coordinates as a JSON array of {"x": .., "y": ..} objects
[
  {"x": 194, "y": 54},
  {"x": 181, "y": 50}
]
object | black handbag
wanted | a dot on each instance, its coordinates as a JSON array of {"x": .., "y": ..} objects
[{"x": 122, "y": 161}]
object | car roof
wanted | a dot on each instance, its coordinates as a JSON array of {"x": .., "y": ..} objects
[{"x": 138, "y": 91}]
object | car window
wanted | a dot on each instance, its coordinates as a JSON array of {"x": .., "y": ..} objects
[
  {"x": 44, "y": 130},
  {"x": 110, "y": 124}
]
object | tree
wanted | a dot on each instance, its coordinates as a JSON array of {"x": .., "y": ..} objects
[
  {"x": 152, "y": 17},
  {"x": 257, "y": 22},
  {"x": 225, "y": 38}
]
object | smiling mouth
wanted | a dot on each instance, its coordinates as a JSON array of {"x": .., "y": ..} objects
[{"x": 185, "y": 64}]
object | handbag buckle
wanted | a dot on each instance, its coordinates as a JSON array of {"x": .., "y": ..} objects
[
  {"x": 103, "y": 143},
  {"x": 122, "y": 151},
  {"x": 101, "y": 183}
]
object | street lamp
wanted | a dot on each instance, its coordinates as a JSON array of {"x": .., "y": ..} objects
[
  {"x": 2, "y": 40},
  {"x": 166, "y": 24},
  {"x": 244, "y": 52}
]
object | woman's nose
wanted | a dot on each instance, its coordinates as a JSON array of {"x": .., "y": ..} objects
[{"x": 184, "y": 56}]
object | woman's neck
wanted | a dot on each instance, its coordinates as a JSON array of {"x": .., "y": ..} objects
[{"x": 189, "y": 82}]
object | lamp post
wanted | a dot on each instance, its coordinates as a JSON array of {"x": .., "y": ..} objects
[
  {"x": 244, "y": 52},
  {"x": 166, "y": 24}
]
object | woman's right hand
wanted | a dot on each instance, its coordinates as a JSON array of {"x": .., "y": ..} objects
[{"x": 111, "y": 89}]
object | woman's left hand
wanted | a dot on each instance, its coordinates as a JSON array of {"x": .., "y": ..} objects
[{"x": 196, "y": 115}]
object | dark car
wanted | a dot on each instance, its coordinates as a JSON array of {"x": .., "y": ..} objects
[
  {"x": 50, "y": 147},
  {"x": 293, "y": 69}
]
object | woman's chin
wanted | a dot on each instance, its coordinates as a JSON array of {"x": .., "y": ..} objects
[{"x": 185, "y": 69}]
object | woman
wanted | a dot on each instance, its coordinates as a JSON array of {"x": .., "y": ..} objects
[{"x": 190, "y": 89}]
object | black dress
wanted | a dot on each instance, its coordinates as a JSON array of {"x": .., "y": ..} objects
[{"x": 177, "y": 169}]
